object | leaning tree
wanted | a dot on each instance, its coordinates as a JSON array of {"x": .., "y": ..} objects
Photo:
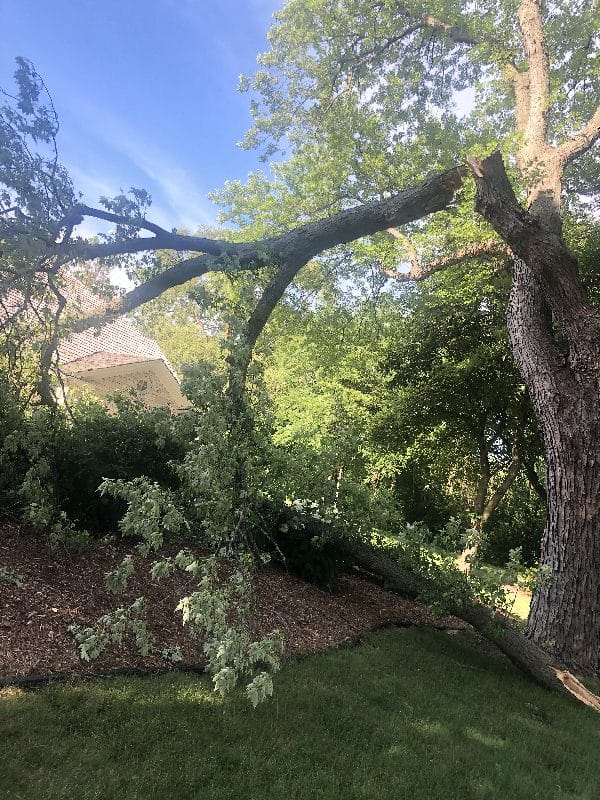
[
  {"x": 365, "y": 96},
  {"x": 374, "y": 84}
]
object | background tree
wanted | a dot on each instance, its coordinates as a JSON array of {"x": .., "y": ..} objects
[{"x": 454, "y": 390}]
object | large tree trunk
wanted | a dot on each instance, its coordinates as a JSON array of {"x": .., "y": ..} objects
[
  {"x": 565, "y": 612},
  {"x": 555, "y": 338},
  {"x": 565, "y": 615}
]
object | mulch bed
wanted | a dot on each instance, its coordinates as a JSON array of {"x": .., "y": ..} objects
[{"x": 64, "y": 588}]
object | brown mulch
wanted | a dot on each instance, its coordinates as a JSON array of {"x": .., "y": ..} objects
[{"x": 64, "y": 588}]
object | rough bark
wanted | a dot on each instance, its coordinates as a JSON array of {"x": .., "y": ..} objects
[
  {"x": 565, "y": 614},
  {"x": 496, "y": 628},
  {"x": 563, "y": 379}
]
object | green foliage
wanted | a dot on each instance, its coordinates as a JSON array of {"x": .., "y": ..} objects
[
  {"x": 302, "y": 538},
  {"x": 232, "y": 654},
  {"x": 583, "y": 236},
  {"x": 419, "y": 480},
  {"x": 151, "y": 510},
  {"x": 453, "y": 409},
  {"x": 414, "y": 551},
  {"x": 34, "y": 187},
  {"x": 528, "y": 578},
  {"x": 320, "y": 353},
  {"x": 452, "y": 536},
  {"x": 59, "y": 459},
  {"x": 35, "y": 193},
  {"x": 319, "y": 93},
  {"x": 112, "y": 628},
  {"x": 202, "y": 506},
  {"x": 518, "y": 522},
  {"x": 98, "y": 445},
  {"x": 419, "y": 549},
  {"x": 13, "y": 464}
]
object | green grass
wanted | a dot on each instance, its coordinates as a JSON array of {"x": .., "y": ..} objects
[
  {"x": 410, "y": 714},
  {"x": 520, "y": 604}
]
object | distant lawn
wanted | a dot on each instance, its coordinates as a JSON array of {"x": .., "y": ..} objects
[
  {"x": 519, "y": 600},
  {"x": 520, "y": 603},
  {"x": 410, "y": 714}
]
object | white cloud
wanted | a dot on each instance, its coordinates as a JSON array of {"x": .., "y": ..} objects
[
  {"x": 178, "y": 201},
  {"x": 188, "y": 205}
]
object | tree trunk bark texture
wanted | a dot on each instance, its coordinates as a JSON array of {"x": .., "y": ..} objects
[
  {"x": 565, "y": 612},
  {"x": 565, "y": 615},
  {"x": 555, "y": 339}
]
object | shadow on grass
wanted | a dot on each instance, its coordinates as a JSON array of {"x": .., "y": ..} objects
[{"x": 410, "y": 714}]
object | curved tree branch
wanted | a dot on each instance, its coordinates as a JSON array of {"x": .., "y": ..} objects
[
  {"x": 292, "y": 249},
  {"x": 162, "y": 239},
  {"x": 420, "y": 21},
  {"x": 581, "y": 142},
  {"x": 488, "y": 250}
]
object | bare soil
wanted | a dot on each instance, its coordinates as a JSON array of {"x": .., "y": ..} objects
[{"x": 63, "y": 588}]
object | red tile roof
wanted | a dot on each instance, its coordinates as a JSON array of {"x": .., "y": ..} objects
[{"x": 117, "y": 342}]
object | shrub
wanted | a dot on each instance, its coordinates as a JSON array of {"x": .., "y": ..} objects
[
  {"x": 301, "y": 540},
  {"x": 53, "y": 461},
  {"x": 97, "y": 444},
  {"x": 13, "y": 461}
]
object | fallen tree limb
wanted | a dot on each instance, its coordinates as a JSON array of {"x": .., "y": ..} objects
[{"x": 495, "y": 627}]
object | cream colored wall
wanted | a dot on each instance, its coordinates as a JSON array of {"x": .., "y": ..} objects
[{"x": 152, "y": 382}]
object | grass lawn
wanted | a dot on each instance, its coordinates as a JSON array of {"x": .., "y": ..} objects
[
  {"x": 410, "y": 714},
  {"x": 520, "y": 601}
]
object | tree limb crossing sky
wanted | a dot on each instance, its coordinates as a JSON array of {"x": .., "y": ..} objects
[{"x": 146, "y": 92}]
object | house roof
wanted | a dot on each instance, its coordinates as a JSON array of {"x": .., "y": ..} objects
[
  {"x": 117, "y": 350},
  {"x": 119, "y": 341},
  {"x": 116, "y": 356}
]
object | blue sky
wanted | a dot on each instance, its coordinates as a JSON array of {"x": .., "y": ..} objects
[{"x": 146, "y": 92}]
